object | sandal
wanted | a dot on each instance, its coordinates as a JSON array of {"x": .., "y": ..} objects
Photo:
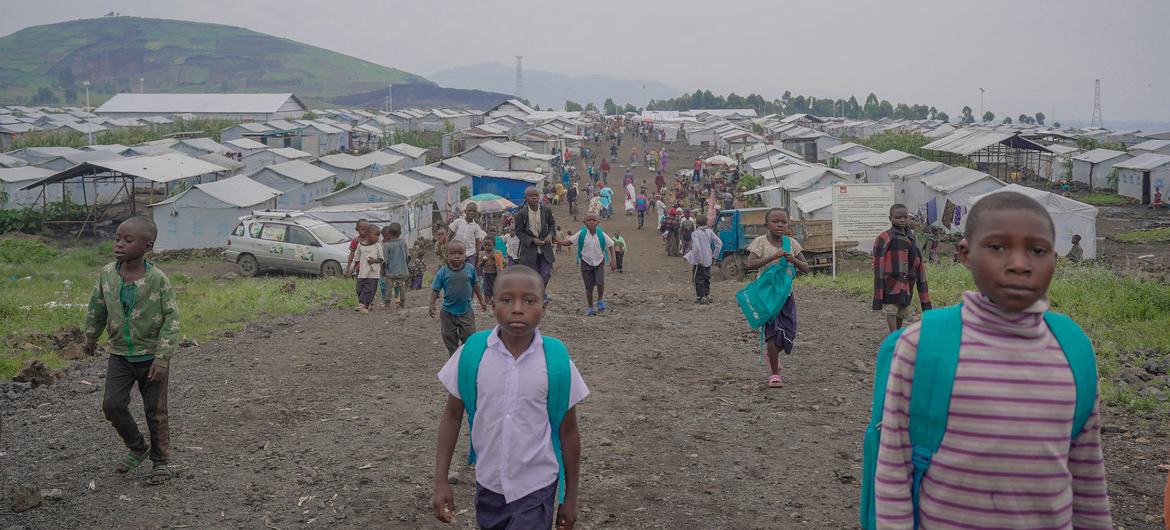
[
  {"x": 159, "y": 475},
  {"x": 775, "y": 381},
  {"x": 131, "y": 461}
]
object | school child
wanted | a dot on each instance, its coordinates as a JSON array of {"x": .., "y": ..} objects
[
  {"x": 418, "y": 268},
  {"x": 512, "y": 246},
  {"x": 396, "y": 262},
  {"x": 134, "y": 302},
  {"x": 360, "y": 228},
  {"x": 619, "y": 251},
  {"x": 458, "y": 282},
  {"x": 780, "y": 332},
  {"x": 704, "y": 249},
  {"x": 594, "y": 248},
  {"x": 467, "y": 231},
  {"x": 520, "y": 391},
  {"x": 641, "y": 204},
  {"x": 493, "y": 235},
  {"x": 1021, "y": 441},
  {"x": 440, "y": 247},
  {"x": 491, "y": 262},
  {"x": 369, "y": 258},
  {"x": 897, "y": 269},
  {"x": 1076, "y": 253}
]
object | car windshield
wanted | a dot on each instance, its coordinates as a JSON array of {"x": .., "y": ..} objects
[{"x": 329, "y": 235}]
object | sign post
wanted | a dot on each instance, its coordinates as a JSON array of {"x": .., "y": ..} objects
[{"x": 860, "y": 213}]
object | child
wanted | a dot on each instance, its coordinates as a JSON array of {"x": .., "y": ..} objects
[
  {"x": 780, "y": 332},
  {"x": 594, "y": 248},
  {"x": 458, "y": 282},
  {"x": 395, "y": 258},
  {"x": 467, "y": 231},
  {"x": 619, "y": 251},
  {"x": 133, "y": 301},
  {"x": 1076, "y": 253},
  {"x": 515, "y": 425},
  {"x": 641, "y": 204},
  {"x": 705, "y": 247},
  {"x": 897, "y": 269},
  {"x": 512, "y": 246},
  {"x": 360, "y": 228},
  {"x": 491, "y": 262},
  {"x": 1006, "y": 458},
  {"x": 418, "y": 268},
  {"x": 440, "y": 247},
  {"x": 369, "y": 260}
]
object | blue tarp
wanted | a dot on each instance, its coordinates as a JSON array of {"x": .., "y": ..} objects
[{"x": 511, "y": 189}]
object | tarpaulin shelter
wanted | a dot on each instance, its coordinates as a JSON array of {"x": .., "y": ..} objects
[
  {"x": 203, "y": 216},
  {"x": 1071, "y": 218}
]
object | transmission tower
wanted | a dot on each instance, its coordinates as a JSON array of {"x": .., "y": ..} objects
[
  {"x": 519, "y": 92},
  {"x": 1097, "y": 122}
]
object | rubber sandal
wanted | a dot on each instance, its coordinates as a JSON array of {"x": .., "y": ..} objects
[
  {"x": 160, "y": 475},
  {"x": 600, "y": 305},
  {"x": 591, "y": 312},
  {"x": 775, "y": 381},
  {"x": 131, "y": 461}
]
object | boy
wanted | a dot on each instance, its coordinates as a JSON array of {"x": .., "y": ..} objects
[
  {"x": 594, "y": 248},
  {"x": 369, "y": 260},
  {"x": 468, "y": 232},
  {"x": 360, "y": 228},
  {"x": 134, "y": 302},
  {"x": 512, "y": 245},
  {"x": 641, "y": 204},
  {"x": 458, "y": 282},
  {"x": 1076, "y": 253},
  {"x": 440, "y": 247},
  {"x": 619, "y": 251},
  {"x": 1007, "y": 458},
  {"x": 704, "y": 247},
  {"x": 897, "y": 269},
  {"x": 418, "y": 268},
  {"x": 519, "y": 449},
  {"x": 491, "y": 262},
  {"x": 395, "y": 260},
  {"x": 572, "y": 199}
]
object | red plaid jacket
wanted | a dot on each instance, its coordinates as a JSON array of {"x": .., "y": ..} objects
[{"x": 897, "y": 268}]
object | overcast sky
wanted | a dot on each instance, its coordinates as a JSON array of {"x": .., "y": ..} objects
[{"x": 1028, "y": 55}]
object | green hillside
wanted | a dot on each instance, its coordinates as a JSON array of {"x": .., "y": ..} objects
[{"x": 174, "y": 56}]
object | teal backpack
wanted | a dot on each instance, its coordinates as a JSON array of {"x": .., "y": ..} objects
[
  {"x": 930, "y": 393},
  {"x": 600, "y": 239},
  {"x": 763, "y": 299},
  {"x": 556, "y": 356}
]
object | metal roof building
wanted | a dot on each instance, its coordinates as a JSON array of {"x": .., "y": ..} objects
[{"x": 242, "y": 107}]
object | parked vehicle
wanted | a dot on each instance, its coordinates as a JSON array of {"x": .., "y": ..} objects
[
  {"x": 287, "y": 241},
  {"x": 737, "y": 228}
]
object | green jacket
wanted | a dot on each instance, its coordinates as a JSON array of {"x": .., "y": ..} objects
[{"x": 152, "y": 326}]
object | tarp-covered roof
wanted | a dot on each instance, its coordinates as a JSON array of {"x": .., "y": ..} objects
[
  {"x": 346, "y": 161},
  {"x": 238, "y": 191},
  {"x": 408, "y": 150},
  {"x": 916, "y": 169},
  {"x": 813, "y": 201},
  {"x": 969, "y": 141},
  {"x": 1144, "y": 162},
  {"x": 953, "y": 179},
  {"x": 197, "y": 103},
  {"x": 160, "y": 169},
  {"x": 246, "y": 143},
  {"x": 435, "y": 172},
  {"x": 23, "y": 174},
  {"x": 888, "y": 157},
  {"x": 1096, "y": 156},
  {"x": 299, "y": 170}
]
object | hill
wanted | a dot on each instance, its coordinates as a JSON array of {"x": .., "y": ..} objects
[
  {"x": 175, "y": 56},
  {"x": 425, "y": 96},
  {"x": 549, "y": 89}
]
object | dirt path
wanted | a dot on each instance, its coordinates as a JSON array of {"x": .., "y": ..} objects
[{"x": 328, "y": 420}]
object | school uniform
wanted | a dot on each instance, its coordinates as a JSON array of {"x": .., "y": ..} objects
[{"x": 593, "y": 257}]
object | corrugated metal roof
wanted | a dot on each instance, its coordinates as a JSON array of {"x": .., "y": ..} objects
[
  {"x": 205, "y": 144},
  {"x": 925, "y": 167},
  {"x": 196, "y": 103},
  {"x": 888, "y": 157},
  {"x": 246, "y": 143},
  {"x": 1145, "y": 162},
  {"x": 23, "y": 174},
  {"x": 253, "y": 127},
  {"x": 968, "y": 141},
  {"x": 222, "y": 161},
  {"x": 781, "y": 172},
  {"x": 239, "y": 191},
  {"x": 301, "y": 171},
  {"x": 408, "y": 150},
  {"x": 435, "y": 172},
  {"x": 811, "y": 202},
  {"x": 464, "y": 166},
  {"x": 845, "y": 147},
  {"x": 160, "y": 168},
  {"x": 345, "y": 161},
  {"x": 1151, "y": 145},
  {"x": 954, "y": 179},
  {"x": 809, "y": 176},
  {"x": 290, "y": 153},
  {"x": 383, "y": 158},
  {"x": 1097, "y": 156},
  {"x": 11, "y": 161},
  {"x": 117, "y": 148},
  {"x": 398, "y": 184}
]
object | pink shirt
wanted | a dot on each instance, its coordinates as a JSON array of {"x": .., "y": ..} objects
[{"x": 514, "y": 453}]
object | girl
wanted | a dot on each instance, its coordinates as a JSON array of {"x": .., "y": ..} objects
[{"x": 780, "y": 332}]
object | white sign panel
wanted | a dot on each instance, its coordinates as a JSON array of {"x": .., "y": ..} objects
[{"x": 861, "y": 211}]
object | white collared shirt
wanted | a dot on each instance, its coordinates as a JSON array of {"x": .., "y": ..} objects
[
  {"x": 468, "y": 233},
  {"x": 511, "y": 434},
  {"x": 592, "y": 253}
]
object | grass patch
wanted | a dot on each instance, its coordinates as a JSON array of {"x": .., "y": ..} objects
[
  {"x": 1124, "y": 316},
  {"x": 47, "y": 294},
  {"x": 1152, "y": 235},
  {"x": 1104, "y": 199}
]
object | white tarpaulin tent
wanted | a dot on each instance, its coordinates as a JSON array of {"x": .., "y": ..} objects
[
  {"x": 203, "y": 216},
  {"x": 1070, "y": 217},
  {"x": 13, "y": 179},
  {"x": 957, "y": 185}
]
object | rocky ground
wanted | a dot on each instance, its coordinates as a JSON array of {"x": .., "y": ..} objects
[{"x": 329, "y": 420}]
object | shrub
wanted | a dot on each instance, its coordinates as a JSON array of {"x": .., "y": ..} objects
[{"x": 20, "y": 251}]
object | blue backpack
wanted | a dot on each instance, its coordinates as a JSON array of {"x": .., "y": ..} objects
[
  {"x": 556, "y": 356},
  {"x": 930, "y": 393}
]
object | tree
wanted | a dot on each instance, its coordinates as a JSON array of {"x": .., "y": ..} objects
[
  {"x": 630, "y": 108},
  {"x": 611, "y": 108},
  {"x": 988, "y": 116},
  {"x": 573, "y": 106},
  {"x": 1007, "y": 120},
  {"x": 591, "y": 107},
  {"x": 943, "y": 117},
  {"x": 71, "y": 94},
  {"x": 44, "y": 96},
  {"x": 66, "y": 79},
  {"x": 1057, "y": 125},
  {"x": 870, "y": 110},
  {"x": 968, "y": 116},
  {"x": 1024, "y": 118},
  {"x": 1040, "y": 117},
  {"x": 932, "y": 114},
  {"x": 885, "y": 109}
]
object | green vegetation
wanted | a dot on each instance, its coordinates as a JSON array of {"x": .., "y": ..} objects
[
  {"x": 873, "y": 108},
  {"x": 907, "y": 142},
  {"x": 42, "y": 291},
  {"x": 174, "y": 56},
  {"x": 129, "y": 137},
  {"x": 1125, "y": 316},
  {"x": 1104, "y": 199},
  {"x": 1152, "y": 235},
  {"x": 30, "y": 220}
]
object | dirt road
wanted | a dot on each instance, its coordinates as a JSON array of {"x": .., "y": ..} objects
[{"x": 329, "y": 419}]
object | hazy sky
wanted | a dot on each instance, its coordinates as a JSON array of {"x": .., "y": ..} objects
[{"x": 1028, "y": 55}]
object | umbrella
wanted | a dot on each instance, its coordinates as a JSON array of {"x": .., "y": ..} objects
[
  {"x": 720, "y": 160},
  {"x": 488, "y": 203}
]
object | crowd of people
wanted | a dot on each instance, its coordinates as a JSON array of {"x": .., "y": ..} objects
[{"x": 1018, "y": 445}]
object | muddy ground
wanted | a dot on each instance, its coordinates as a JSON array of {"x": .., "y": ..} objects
[{"x": 329, "y": 419}]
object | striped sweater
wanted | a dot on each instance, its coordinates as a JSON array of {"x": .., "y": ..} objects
[{"x": 1006, "y": 460}]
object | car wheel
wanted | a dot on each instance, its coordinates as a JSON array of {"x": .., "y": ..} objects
[
  {"x": 249, "y": 267},
  {"x": 731, "y": 268},
  {"x": 331, "y": 269}
]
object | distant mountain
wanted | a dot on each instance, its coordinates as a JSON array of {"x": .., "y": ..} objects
[
  {"x": 425, "y": 96},
  {"x": 549, "y": 89},
  {"x": 113, "y": 53}
]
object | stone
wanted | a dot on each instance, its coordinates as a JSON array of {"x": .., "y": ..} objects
[
  {"x": 453, "y": 477},
  {"x": 25, "y": 498}
]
